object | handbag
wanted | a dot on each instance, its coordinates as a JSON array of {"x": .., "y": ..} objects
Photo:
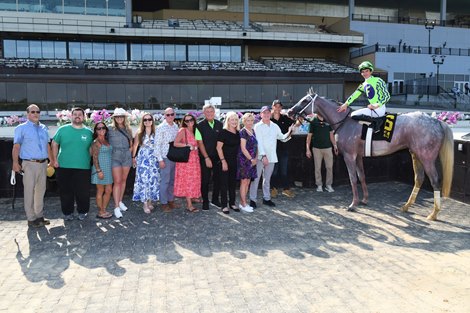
[{"x": 179, "y": 154}]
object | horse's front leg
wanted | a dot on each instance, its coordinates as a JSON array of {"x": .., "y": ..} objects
[
  {"x": 362, "y": 178},
  {"x": 351, "y": 165}
]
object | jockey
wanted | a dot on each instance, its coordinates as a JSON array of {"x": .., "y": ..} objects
[{"x": 374, "y": 89}]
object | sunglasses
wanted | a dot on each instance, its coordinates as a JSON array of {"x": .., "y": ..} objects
[
  {"x": 100, "y": 128},
  {"x": 35, "y": 112},
  {"x": 189, "y": 121},
  {"x": 148, "y": 120},
  {"x": 170, "y": 114}
]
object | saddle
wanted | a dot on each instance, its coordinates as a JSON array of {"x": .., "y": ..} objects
[
  {"x": 373, "y": 122},
  {"x": 381, "y": 127}
]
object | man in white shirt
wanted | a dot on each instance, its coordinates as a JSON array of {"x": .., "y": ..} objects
[
  {"x": 164, "y": 134},
  {"x": 267, "y": 133}
]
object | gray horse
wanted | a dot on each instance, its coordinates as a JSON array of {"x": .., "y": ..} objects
[{"x": 425, "y": 137}]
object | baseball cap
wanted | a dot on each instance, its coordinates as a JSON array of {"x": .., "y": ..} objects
[
  {"x": 264, "y": 108},
  {"x": 277, "y": 102}
]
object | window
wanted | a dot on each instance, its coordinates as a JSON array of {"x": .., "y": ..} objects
[
  {"x": 204, "y": 53},
  {"x": 121, "y": 51},
  {"x": 48, "y": 50},
  {"x": 158, "y": 53},
  {"x": 86, "y": 50},
  {"x": 214, "y": 53},
  {"x": 110, "y": 51},
  {"x": 169, "y": 52},
  {"x": 22, "y": 48},
  {"x": 225, "y": 52},
  {"x": 147, "y": 52},
  {"x": 180, "y": 52},
  {"x": 98, "y": 51},
  {"x": 9, "y": 48},
  {"x": 236, "y": 54},
  {"x": 35, "y": 49},
  {"x": 60, "y": 50},
  {"x": 136, "y": 52},
  {"x": 193, "y": 53},
  {"x": 74, "y": 50}
]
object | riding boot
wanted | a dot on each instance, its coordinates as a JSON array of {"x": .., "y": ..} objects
[{"x": 377, "y": 124}]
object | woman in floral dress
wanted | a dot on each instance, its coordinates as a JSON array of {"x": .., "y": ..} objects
[
  {"x": 247, "y": 159},
  {"x": 188, "y": 175},
  {"x": 147, "y": 177}
]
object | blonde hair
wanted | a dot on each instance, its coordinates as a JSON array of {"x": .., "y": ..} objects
[
  {"x": 246, "y": 116},
  {"x": 228, "y": 116},
  {"x": 127, "y": 125},
  {"x": 141, "y": 131}
]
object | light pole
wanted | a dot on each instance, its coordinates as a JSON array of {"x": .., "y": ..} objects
[
  {"x": 437, "y": 60},
  {"x": 429, "y": 25}
]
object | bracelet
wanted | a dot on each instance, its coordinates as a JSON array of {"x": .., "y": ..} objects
[
  {"x": 222, "y": 159},
  {"x": 99, "y": 171},
  {"x": 206, "y": 158}
]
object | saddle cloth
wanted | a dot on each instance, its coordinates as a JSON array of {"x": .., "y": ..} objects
[{"x": 386, "y": 129}]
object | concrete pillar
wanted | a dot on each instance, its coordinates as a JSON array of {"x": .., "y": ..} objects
[
  {"x": 246, "y": 13},
  {"x": 351, "y": 9},
  {"x": 202, "y": 5},
  {"x": 443, "y": 12},
  {"x": 128, "y": 6}
]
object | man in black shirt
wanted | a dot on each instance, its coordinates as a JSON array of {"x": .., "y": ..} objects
[
  {"x": 207, "y": 133},
  {"x": 280, "y": 178}
]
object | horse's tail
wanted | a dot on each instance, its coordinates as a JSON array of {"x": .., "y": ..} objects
[{"x": 446, "y": 154}]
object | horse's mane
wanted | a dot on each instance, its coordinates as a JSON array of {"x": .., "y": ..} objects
[{"x": 312, "y": 92}]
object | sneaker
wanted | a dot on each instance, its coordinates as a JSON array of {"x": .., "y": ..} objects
[
  {"x": 319, "y": 189},
  {"x": 269, "y": 203},
  {"x": 274, "y": 193},
  {"x": 253, "y": 204},
  {"x": 68, "y": 217},
  {"x": 117, "y": 212},
  {"x": 246, "y": 209},
  {"x": 288, "y": 193},
  {"x": 82, "y": 216},
  {"x": 329, "y": 188},
  {"x": 122, "y": 207}
]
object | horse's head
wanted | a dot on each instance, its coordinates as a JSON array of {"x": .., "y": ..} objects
[{"x": 305, "y": 106}]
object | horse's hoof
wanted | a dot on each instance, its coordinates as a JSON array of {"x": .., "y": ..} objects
[
  {"x": 363, "y": 203},
  {"x": 351, "y": 209},
  {"x": 432, "y": 217}
]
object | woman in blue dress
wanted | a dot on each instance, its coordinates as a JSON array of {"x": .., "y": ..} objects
[
  {"x": 101, "y": 173},
  {"x": 147, "y": 177}
]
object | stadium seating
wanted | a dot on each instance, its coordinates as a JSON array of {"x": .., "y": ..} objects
[
  {"x": 317, "y": 65},
  {"x": 37, "y": 63}
]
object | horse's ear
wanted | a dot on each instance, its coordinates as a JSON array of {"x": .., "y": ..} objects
[{"x": 310, "y": 91}]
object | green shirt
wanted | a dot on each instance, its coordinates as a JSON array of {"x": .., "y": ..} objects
[
  {"x": 74, "y": 147},
  {"x": 374, "y": 88},
  {"x": 321, "y": 134}
]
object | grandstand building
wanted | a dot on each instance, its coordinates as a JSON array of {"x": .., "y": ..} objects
[{"x": 151, "y": 54}]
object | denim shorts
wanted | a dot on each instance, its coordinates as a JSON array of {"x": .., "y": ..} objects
[{"x": 122, "y": 157}]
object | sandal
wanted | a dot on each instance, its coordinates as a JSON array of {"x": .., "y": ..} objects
[
  {"x": 234, "y": 207},
  {"x": 146, "y": 208},
  {"x": 226, "y": 210},
  {"x": 192, "y": 210},
  {"x": 104, "y": 215},
  {"x": 196, "y": 200}
]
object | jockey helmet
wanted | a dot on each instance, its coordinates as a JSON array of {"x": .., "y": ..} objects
[{"x": 366, "y": 65}]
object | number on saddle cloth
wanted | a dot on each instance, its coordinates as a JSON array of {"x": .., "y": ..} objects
[{"x": 383, "y": 126}]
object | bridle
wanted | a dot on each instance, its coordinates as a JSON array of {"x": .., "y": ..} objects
[{"x": 312, "y": 104}]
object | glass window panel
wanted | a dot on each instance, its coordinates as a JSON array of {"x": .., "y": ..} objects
[
  {"x": 121, "y": 51},
  {"x": 28, "y": 5},
  {"x": 35, "y": 50},
  {"x": 158, "y": 53},
  {"x": 204, "y": 53},
  {"x": 171, "y": 94},
  {"x": 224, "y": 92},
  {"x": 52, "y": 5},
  {"x": 9, "y": 48},
  {"x": 109, "y": 51},
  {"x": 189, "y": 95},
  {"x": 237, "y": 95},
  {"x": 253, "y": 96},
  {"x": 153, "y": 96},
  {"x": 300, "y": 90},
  {"x": 135, "y": 96},
  {"x": 48, "y": 49},
  {"x": 96, "y": 96},
  {"x": 74, "y": 6},
  {"x": 136, "y": 52},
  {"x": 95, "y": 7},
  {"x": 268, "y": 94},
  {"x": 8, "y": 5},
  {"x": 36, "y": 92},
  {"x": 169, "y": 52},
  {"x": 22, "y": 47},
  {"x": 74, "y": 51},
  {"x": 236, "y": 53},
  {"x": 204, "y": 92},
  {"x": 225, "y": 54},
  {"x": 180, "y": 52},
  {"x": 60, "y": 50},
  {"x": 193, "y": 53},
  {"x": 86, "y": 50},
  {"x": 116, "y": 94},
  {"x": 147, "y": 52},
  {"x": 335, "y": 92},
  {"x": 116, "y": 8},
  {"x": 285, "y": 93},
  {"x": 16, "y": 92},
  {"x": 3, "y": 93},
  {"x": 77, "y": 95},
  {"x": 215, "y": 53},
  {"x": 56, "y": 93},
  {"x": 98, "y": 51}
]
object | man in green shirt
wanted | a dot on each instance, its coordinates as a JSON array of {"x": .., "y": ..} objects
[
  {"x": 70, "y": 149},
  {"x": 374, "y": 88}
]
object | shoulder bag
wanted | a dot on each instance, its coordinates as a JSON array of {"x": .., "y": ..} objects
[{"x": 179, "y": 154}]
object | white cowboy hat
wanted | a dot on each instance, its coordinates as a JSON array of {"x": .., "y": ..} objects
[{"x": 120, "y": 112}]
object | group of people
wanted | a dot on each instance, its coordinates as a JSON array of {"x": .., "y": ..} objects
[{"x": 221, "y": 153}]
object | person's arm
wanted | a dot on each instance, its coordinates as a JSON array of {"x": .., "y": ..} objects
[
  {"x": 333, "y": 142},
  {"x": 55, "y": 152},
  {"x": 220, "y": 152},
  {"x": 202, "y": 149},
  {"x": 49, "y": 154},
  {"x": 95, "y": 152},
  {"x": 308, "y": 153},
  {"x": 356, "y": 94},
  {"x": 15, "y": 156}
]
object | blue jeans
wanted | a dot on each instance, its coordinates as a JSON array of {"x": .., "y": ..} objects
[{"x": 280, "y": 178}]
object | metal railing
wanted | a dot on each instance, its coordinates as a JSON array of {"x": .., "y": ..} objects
[
  {"x": 404, "y": 48},
  {"x": 409, "y": 20}
]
